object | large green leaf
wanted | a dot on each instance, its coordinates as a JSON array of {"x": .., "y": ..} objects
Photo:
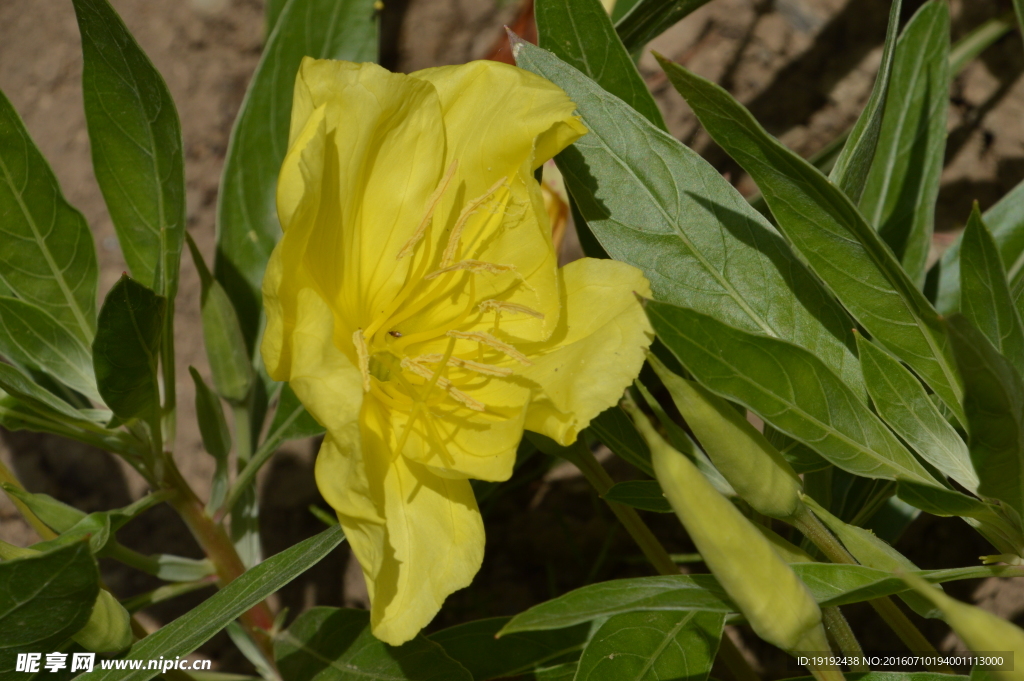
[
  {"x": 829, "y": 583},
  {"x": 247, "y": 226},
  {"x": 474, "y": 646},
  {"x": 899, "y": 198},
  {"x": 851, "y": 169},
  {"x": 1006, "y": 221},
  {"x": 650, "y": 18},
  {"x": 824, "y": 226},
  {"x": 902, "y": 402},
  {"x": 985, "y": 298},
  {"x": 650, "y": 646},
  {"x": 47, "y": 256},
  {"x": 580, "y": 33},
  {"x": 994, "y": 402},
  {"x": 789, "y": 388},
  {"x": 656, "y": 204},
  {"x": 191, "y": 630},
  {"x": 126, "y": 348},
  {"x": 331, "y": 644},
  {"x": 32, "y": 338},
  {"x": 44, "y": 600},
  {"x": 135, "y": 137}
]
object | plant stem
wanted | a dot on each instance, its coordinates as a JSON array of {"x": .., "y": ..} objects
[
  {"x": 259, "y": 620},
  {"x": 839, "y": 628},
  {"x": 599, "y": 479},
  {"x": 808, "y": 523}
]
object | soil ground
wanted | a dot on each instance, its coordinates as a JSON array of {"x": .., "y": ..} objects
[{"x": 804, "y": 67}]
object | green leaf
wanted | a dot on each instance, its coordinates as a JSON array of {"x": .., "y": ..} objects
[
  {"x": 1005, "y": 220},
  {"x": 45, "y": 599},
  {"x": 213, "y": 428},
  {"x": 657, "y": 205},
  {"x": 230, "y": 366},
  {"x": 985, "y": 298},
  {"x": 650, "y": 18},
  {"x": 331, "y": 644},
  {"x": 650, "y": 646},
  {"x": 580, "y": 33},
  {"x": 291, "y": 420},
  {"x": 994, "y": 402},
  {"x": 247, "y": 226},
  {"x": 789, "y": 388},
  {"x": 899, "y": 198},
  {"x": 829, "y": 583},
  {"x": 17, "y": 384},
  {"x": 559, "y": 672},
  {"x": 55, "y": 514},
  {"x": 191, "y": 630},
  {"x": 47, "y": 256},
  {"x": 614, "y": 429},
  {"x": 32, "y": 338},
  {"x": 902, "y": 402},
  {"x": 643, "y": 494},
  {"x": 970, "y": 46},
  {"x": 824, "y": 226},
  {"x": 474, "y": 646},
  {"x": 272, "y": 11},
  {"x": 135, "y": 137},
  {"x": 126, "y": 348},
  {"x": 851, "y": 169}
]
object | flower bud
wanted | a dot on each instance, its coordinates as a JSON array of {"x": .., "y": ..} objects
[
  {"x": 109, "y": 627},
  {"x": 778, "y": 606},
  {"x": 755, "y": 469}
]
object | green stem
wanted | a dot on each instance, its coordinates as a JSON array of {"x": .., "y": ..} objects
[
  {"x": 837, "y": 626},
  {"x": 812, "y": 528},
  {"x": 260, "y": 457},
  {"x": 652, "y": 549}
]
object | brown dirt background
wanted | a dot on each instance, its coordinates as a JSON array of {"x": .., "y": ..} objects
[{"x": 804, "y": 67}]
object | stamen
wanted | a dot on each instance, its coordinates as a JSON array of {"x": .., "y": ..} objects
[
  {"x": 363, "y": 357},
  {"x": 468, "y": 211},
  {"x": 474, "y": 266},
  {"x": 491, "y": 341},
  {"x": 503, "y": 306},
  {"x": 458, "y": 362},
  {"x": 415, "y": 367},
  {"x": 473, "y": 404},
  {"x": 432, "y": 202}
]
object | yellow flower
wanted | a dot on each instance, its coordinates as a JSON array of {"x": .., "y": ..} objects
[{"x": 415, "y": 305}]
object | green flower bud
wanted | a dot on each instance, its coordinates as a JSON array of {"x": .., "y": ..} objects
[
  {"x": 775, "y": 602},
  {"x": 755, "y": 469},
  {"x": 109, "y": 627}
]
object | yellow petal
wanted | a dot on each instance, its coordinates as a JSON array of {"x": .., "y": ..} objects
[
  {"x": 596, "y": 351},
  {"x": 383, "y": 158},
  {"x": 432, "y": 542}
]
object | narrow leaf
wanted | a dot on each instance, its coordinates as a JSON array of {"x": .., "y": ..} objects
[
  {"x": 614, "y": 429},
  {"x": 247, "y": 226},
  {"x": 331, "y": 644},
  {"x": 474, "y": 646},
  {"x": 899, "y": 198},
  {"x": 851, "y": 169},
  {"x": 126, "y": 347},
  {"x": 191, "y": 630},
  {"x": 47, "y": 256},
  {"x": 659, "y": 206},
  {"x": 32, "y": 338},
  {"x": 788, "y": 387},
  {"x": 135, "y": 137},
  {"x": 213, "y": 428},
  {"x": 824, "y": 226},
  {"x": 650, "y": 18},
  {"x": 1005, "y": 220},
  {"x": 650, "y": 646},
  {"x": 985, "y": 298},
  {"x": 580, "y": 33},
  {"x": 902, "y": 402},
  {"x": 994, "y": 402}
]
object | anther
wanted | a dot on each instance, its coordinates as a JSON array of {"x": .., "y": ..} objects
[
  {"x": 432, "y": 202},
  {"x": 490, "y": 341},
  {"x": 458, "y": 362},
  {"x": 503, "y": 306},
  {"x": 474, "y": 266},
  {"x": 467, "y": 212},
  {"x": 363, "y": 356}
]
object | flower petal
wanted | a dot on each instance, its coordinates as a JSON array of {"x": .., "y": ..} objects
[
  {"x": 384, "y": 153},
  {"x": 596, "y": 351},
  {"x": 432, "y": 540}
]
